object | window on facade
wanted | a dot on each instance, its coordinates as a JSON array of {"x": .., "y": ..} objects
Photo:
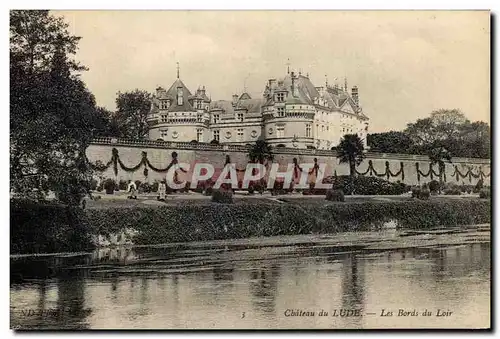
[
  {"x": 163, "y": 133},
  {"x": 308, "y": 131},
  {"x": 322, "y": 128},
  {"x": 280, "y": 97},
  {"x": 239, "y": 134},
  {"x": 180, "y": 99},
  {"x": 281, "y": 111},
  {"x": 343, "y": 130},
  {"x": 216, "y": 118},
  {"x": 199, "y": 118},
  {"x": 240, "y": 116},
  {"x": 216, "y": 135},
  {"x": 164, "y": 118},
  {"x": 327, "y": 128},
  {"x": 280, "y": 131},
  {"x": 164, "y": 104},
  {"x": 199, "y": 135}
]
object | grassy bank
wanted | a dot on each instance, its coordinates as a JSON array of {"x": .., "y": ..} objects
[{"x": 53, "y": 228}]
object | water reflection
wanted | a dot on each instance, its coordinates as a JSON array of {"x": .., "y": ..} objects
[{"x": 240, "y": 287}]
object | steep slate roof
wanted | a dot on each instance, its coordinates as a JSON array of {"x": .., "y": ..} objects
[
  {"x": 251, "y": 105},
  {"x": 245, "y": 96},
  {"x": 186, "y": 94},
  {"x": 224, "y": 105}
]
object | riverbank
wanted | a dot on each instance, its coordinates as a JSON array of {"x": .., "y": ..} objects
[{"x": 136, "y": 222}]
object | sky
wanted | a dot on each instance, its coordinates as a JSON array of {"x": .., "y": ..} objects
[{"x": 405, "y": 63}]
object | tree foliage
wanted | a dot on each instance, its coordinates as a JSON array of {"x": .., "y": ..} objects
[
  {"x": 260, "y": 152},
  {"x": 351, "y": 150},
  {"x": 52, "y": 114},
  {"x": 443, "y": 128},
  {"x": 132, "y": 109}
]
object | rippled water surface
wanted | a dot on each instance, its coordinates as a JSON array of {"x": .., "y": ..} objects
[{"x": 261, "y": 283}]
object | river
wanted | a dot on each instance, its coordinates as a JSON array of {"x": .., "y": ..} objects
[{"x": 263, "y": 283}]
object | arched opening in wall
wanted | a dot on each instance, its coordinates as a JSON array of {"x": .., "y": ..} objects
[
  {"x": 160, "y": 139},
  {"x": 280, "y": 145},
  {"x": 311, "y": 147},
  {"x": 215, "y": 142},
  {"x": 248, "y": 145},
  {"x": 194, "y": 141},
  {"x": 334, "y": 148}
]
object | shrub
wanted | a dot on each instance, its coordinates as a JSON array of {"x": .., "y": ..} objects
[
  {"x": 209, "y": 190},
  {"x": 366, "y": 185},
  {"x": 335, "y": 195},
  {"x": 452, "y": 191},
  {"x": 424, "y": 194},
  {"x": 154, "y": 186},
  {"x": 222, "y": 196},
  {"x": 415, "y": 191},
  {"x": 100, "y": 187},
  {"x": 485, "y": 194},
  {"x": 251, "y": 190},
  {"x": 138, "y": 184},
  {"x": 93, "y": 185},
  {"x": 145, "y": 187},
  {"x": 434, "y": 186},
  {"x": 109, "y": 186},
  {"x": 123, "y": 185}
]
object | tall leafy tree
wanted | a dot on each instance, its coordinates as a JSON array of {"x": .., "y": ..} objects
[
  {"x": 132, "y": 109},
  {"x": 52, "y": 114},
  {"x": 390, "y": 142},
  {"x": 351, "y": 151}
]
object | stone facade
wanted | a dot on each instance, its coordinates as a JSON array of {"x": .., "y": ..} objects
[{"x": 291, "y": 113}]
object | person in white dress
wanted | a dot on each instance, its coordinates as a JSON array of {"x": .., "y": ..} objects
[
  {"x": 162, "y": 191},
  {"x": 132, "y": 189}
]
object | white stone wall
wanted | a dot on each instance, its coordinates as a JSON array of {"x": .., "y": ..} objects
[{"x": 160, "y": 157}]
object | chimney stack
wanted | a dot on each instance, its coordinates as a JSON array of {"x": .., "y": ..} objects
[
  {"x": 235, "y": 99},
  {"x": 203, "y": 90},
  {"x": 293, "y": 83},
  {"x": 355, "y": 95}
]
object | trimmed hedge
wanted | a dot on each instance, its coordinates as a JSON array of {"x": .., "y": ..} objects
[
  {"x": 366, "y": 185},
  {"x": 229, "y": 221},
  {"x": 45, "y": 227},
  {"x": 335, "y": 195}
]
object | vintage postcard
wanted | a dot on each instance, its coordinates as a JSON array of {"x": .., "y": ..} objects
[{"x": 250, "y": 170}]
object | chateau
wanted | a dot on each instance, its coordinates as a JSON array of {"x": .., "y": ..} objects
[{"x": 292, "y": 112}]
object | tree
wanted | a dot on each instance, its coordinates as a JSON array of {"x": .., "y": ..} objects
[
  {"x": 260, "y": 151},
  {"x": 390, "y": 142},
  {"x": 351, "y": 150},
  {"x": 438, "y": 154},
  {"x": 52, "y": 114},
  {"x": 132, "y": 109}
]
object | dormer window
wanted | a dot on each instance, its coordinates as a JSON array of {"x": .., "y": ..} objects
[
  {"x": 180, "y": 99},
  {"x": 280, "y": 96},
  {"x": 240, "y": 116},
  {"x": 216, "y": 118},
  {"x": 164, "y": 104},
  {"x": 281, "y": 111}
]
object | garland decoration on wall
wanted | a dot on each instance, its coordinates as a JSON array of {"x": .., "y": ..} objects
[
  {"x": 115, "y": 160},
  {"x": 469, "y": 174},
  {"x": 387, "y": 172},
  {"x": 430, "y": 172}
]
